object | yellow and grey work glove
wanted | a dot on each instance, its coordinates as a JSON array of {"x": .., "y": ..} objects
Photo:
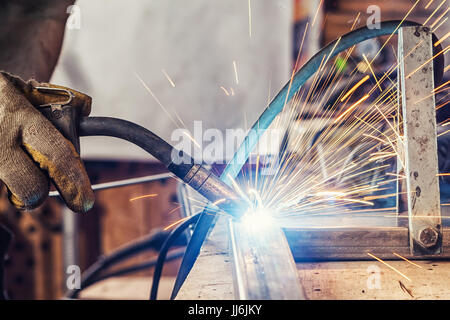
[{"x": 26, "y": 135}]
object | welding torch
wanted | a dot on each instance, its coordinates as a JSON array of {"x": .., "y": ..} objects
[{"x": 68, "y": 120}]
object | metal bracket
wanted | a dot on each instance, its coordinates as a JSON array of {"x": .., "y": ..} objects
[{"x": 419, "y": 124}]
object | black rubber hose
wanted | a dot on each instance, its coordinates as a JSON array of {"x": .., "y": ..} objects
[
  {"x": 151, "y": 242},
  {"x": 134, "y": 268},
  {"x": 122, "y": 129},
  {"x": 176, "y": 254},
  {"x": 165, "y": 248}
]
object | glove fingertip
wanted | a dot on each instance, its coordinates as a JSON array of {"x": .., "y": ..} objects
[
  {"x": 82, "y": 202},
  {"x": 31, "y": 202}
]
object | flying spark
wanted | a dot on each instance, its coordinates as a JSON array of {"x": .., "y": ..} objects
[
  {"x": 356, "y": 86},
  {"x": 409, "y": 261},
  {"x": 235, "y": 72},
  {"x": 168, "y": 77},
  {"x": 388, "y": 265},
  {"x": 144, "y": 196}
]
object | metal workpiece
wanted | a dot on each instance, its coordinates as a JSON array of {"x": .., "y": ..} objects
[
  {"x": 354, "y": 243},
  {"x": 123, "y": 183},
  {"x": 420, "y": 139},
  {"x": 215, "y": 190},
  {"x": 263, "y": 266}
]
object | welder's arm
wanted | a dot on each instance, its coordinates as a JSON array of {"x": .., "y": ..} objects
[
  {"x": 32, "y": 150},
  {"x": 31, "y": 36}
]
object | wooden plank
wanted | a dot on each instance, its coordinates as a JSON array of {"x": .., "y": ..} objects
[
  {"x": 419, "y": 124},
  {"x": 358, "y": 280},
  {"x": 211, "y": 277},
  {"x": 323, "y": 280},
  {"x": 127, "y": 288},
  {"x": 212, "y": 274}
]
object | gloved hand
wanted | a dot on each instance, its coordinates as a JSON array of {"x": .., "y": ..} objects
[{"x": 32, "y": 149}]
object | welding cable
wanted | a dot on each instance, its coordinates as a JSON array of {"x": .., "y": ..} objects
[
  {"x": 147, "y": 140},
  {"x": 171, "y": 256},
  {"x": 272, "y": 110},
  {"x": 173, "y": 236},
  {"x": 182, "y": 165},
  {"x": 146, "y": 265},
  {"x": 152, "y": 242}
]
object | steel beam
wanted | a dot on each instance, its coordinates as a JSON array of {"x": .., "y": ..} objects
[
  {"x": 325, "y": 244},
  {"x": 263, "y": 266}
]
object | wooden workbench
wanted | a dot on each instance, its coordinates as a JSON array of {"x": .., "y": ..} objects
[{"x": 211, "y": 278}]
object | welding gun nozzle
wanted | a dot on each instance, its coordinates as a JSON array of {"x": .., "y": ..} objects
[{"x": 216, "y": 191}]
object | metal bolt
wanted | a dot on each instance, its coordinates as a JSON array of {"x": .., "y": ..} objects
[{"x": 428, "y": 237}]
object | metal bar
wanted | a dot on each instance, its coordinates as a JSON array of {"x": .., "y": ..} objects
[
  {"x": 71, "y": 253},
  {"x": 401, "y": 198},
  {"x": 125, "y": 182},
  {"x": 360, "y": 253},
  {"x": 419, "y": 124},
  {"x": 263, "y": 265},
  {"x": 354, "y": 237},
  {"x": 355, "y": 243}
]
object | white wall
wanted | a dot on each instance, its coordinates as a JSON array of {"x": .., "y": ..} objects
[{"x": 195, "y": 42}]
